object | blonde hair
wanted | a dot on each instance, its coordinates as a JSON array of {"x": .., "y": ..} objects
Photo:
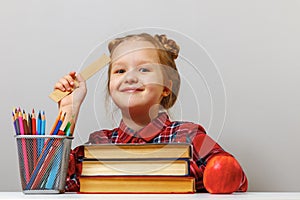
[{"x": 167, "y": 51}]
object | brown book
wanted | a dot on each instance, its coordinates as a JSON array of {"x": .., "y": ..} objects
[
  {"x": 135, "y": 167},
  {"x": 137, "y": 184},
  {"x": 137, "y": 151}
]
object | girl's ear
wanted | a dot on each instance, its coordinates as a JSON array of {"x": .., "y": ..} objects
[{"x": 168, "y": 88}]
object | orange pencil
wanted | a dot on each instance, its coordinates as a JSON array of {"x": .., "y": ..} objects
[
  {"x": 55, "y": 124},
  {"x": 59, "y": 123}
]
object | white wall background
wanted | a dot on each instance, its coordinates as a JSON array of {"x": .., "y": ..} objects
[{"x": 254, "y": 44}]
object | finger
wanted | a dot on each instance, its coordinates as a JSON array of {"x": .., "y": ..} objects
[
  {"x": 71, "y": 77},
  {"x": 66, "y": 83},
  {"x": 70, "y": 80},
  {"x": 79, "y": 78},
  {"x": 59, "y": 86},
  {"x": 73, "y": 74},
  {"x": 81, "y": 81}
]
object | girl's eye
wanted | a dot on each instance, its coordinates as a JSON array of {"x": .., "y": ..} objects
[
  {"x": 120, "y": 71},
  {"x": 143, "y": 69}
]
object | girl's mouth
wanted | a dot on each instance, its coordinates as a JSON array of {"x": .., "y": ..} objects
[{"x": 131, "y": 89}]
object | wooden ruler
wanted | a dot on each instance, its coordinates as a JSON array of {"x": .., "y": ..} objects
[{"x": 86, "y": 73}]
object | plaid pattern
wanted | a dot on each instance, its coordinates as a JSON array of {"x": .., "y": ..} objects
[{"x": 160, "y": 130}]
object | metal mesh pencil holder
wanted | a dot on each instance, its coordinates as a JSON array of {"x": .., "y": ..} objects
[{"x": 43, "y": 162}]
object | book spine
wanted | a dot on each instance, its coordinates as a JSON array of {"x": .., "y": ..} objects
[
  {"x": 98, "y": 162},
  {"x": 132, "y": 159}
]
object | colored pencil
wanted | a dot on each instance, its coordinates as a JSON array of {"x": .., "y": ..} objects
[
  {"x": 39, "y": 131},
  {"x": 59, "y": 123},
  {"x": 43, "y": 123},
  {"x": 67, "y": 129},
  {"x": 26, "y": 131},
  {"x": 39, "y": 123},
  {"x": 29, "y": 123},
  {"x": 55, "y": 123},
  {"x": 55, "y": 163},
  {"x": 20, "y": 118},
  {"x": 42, "y": 129},
  {"x": 33, "y": 131},
  {"x": 53, "y": 173},
  {"x": 25, "y": 157},
  {"x": 15, "y": 123},
  {"x": 33, "y": 123}
]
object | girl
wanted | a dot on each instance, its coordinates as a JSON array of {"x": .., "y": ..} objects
[{"x": 143, "y": 81}]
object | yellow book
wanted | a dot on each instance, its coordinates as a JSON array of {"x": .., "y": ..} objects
[
  {"x": 137, "y": 151},
  {"x": 135, "y": 167},
  {"x": 138, "y": 184}
]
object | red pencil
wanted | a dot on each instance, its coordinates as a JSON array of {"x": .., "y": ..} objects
[{"x": 33, "y": 131}]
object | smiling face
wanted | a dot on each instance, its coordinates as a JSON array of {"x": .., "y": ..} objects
[{"x": 136, "y": 78}]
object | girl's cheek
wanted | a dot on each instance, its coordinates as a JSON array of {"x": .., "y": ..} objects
[
  {"x": 110, "y": 84},
  {"x": 111, "y": 87},
  {"x": 154, "y": 80}
]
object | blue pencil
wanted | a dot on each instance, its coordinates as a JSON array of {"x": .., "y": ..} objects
[
  {"x": 57, "y": 161},
  {"x": 43, "y": 129},
  {"x": 55, "y": 166},
  {"x": 43, "y": 123},
  {"x": 16, "y": 124},
  {"x": 59, "y": 123}
]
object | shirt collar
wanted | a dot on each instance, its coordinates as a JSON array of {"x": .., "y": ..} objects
[{"x": 156, "y": 126}]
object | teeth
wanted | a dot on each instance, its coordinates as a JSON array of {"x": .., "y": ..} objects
[{"x": 131, "y": 90}]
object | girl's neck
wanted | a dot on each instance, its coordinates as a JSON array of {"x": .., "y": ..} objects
[{"x": 138, "y": 120}]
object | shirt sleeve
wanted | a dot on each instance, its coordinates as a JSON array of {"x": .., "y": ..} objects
[
  {"x": 100, "y": 137},
  {"x": 204, "y": 148},
  {"x": 74, "y": 170}
]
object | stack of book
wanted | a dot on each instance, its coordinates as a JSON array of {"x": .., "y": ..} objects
[{"x": 137, "y": 168}]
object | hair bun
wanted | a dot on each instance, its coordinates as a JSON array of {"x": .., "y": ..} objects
[{"x": 169, "y": 45}]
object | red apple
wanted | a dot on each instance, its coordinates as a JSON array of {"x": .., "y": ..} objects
[{"x": 222, "y": 175}]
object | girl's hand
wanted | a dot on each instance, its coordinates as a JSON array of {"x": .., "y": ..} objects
[{"x": 78, "y": 90}]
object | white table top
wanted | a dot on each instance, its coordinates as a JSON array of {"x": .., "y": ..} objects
[{"x": 196, "y": 196}]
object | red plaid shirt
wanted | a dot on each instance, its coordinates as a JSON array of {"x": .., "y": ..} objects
[{"x": 160, "y": 130}]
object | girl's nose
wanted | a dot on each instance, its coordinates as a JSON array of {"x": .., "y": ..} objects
[{"x": 131, "y": 77}]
